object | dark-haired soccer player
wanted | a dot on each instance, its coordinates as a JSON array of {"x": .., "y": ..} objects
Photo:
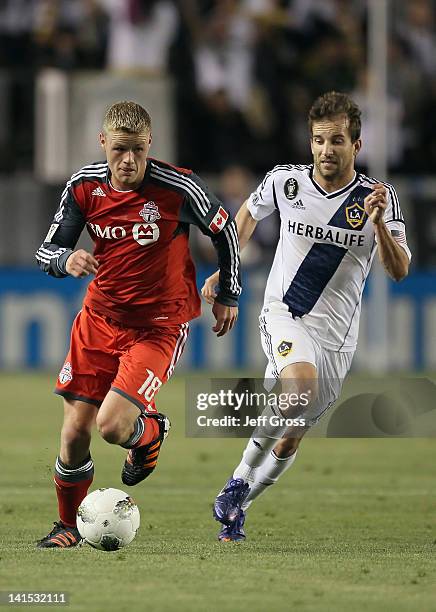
[
  {"x": 131, "y": 331},
  {"x": 332, "y": 221}
]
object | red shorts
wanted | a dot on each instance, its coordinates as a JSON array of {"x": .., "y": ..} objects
[{"x": 107, "y": 355}]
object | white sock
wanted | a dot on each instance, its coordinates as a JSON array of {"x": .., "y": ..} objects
[
  {"x": 252, "y": 457},
  {"x": 261, "y": 443},
  {"x": 259, "y": 446},
  {"x": 267, "y": 474}
]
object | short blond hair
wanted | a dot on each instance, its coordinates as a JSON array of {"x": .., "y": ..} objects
[{"x": 126, "y": 116}]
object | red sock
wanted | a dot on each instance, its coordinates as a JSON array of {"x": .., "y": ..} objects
[
  {"x": 151, "y": 431},
  {"x": 70, "y": 496}
]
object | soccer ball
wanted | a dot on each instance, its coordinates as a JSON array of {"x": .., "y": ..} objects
[{"x": 108, "y": 519}]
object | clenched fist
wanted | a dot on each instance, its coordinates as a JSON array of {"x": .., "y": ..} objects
[
  {"x": 375, "y": 203},
  {"x": 81, "y": 263}
]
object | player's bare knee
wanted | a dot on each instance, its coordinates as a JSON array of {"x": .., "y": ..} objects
[
  {"x": 111, "y": 430},
  {"x": 299, "y": 389},
  {"x": 116, "y": 418},
  {"x": 76, "y": 429},
  {"x": 73, "y": 433},
  {"x": 108, "y": 431},
  {"x": 296, "y": 398}
]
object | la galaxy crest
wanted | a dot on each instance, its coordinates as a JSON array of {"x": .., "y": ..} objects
[
  {"x": 284, "y": 348},
  {"x": 291, "y": 188},
  {"x": 355, "y": 214}
]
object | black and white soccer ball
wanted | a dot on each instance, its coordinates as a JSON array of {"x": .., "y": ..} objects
[{"x": 108, "y": 519}]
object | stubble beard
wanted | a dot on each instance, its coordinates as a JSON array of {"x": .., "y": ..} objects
[{"x": 329, "y": 175}]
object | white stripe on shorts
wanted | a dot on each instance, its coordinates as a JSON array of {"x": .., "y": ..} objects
[{"x": 178, "y": 349}]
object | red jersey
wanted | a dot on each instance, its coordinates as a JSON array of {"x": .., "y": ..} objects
[{"x": 141, "y": 240}]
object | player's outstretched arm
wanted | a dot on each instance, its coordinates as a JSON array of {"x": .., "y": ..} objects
[
  {"x": 245, "y": 225},
  {"x": 393, "y": 257}
]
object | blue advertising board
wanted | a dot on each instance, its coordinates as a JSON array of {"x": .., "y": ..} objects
[{"x": 36, "y": 312}]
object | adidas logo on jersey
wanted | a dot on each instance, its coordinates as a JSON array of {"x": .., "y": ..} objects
[
  {"x": 298, "y": 204},
  {"x": 98, "y": 191}
]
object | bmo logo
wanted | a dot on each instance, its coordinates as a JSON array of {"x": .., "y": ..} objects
[
  {"x": 108, "y": 232},
  {"x": 143, "y": 233}
]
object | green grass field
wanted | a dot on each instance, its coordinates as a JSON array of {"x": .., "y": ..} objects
[{"x": 351, "y": 527}]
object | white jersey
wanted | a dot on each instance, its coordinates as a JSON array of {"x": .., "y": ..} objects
[{"x": 325, "y": 249}]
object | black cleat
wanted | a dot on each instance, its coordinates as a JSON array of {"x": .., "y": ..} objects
[
  {"x": 61, "y": 536},
  {"x": 141, "y": 461}
]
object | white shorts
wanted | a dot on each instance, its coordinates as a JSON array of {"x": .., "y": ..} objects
[{"x": 286, "y": 340}]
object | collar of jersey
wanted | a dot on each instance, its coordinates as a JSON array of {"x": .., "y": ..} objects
[{"x": 332, "y": 194}]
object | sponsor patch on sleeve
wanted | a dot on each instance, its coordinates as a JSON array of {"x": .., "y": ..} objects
[
  {"x": 219, "y": 220},
  {"x": 51, "y": 232}
]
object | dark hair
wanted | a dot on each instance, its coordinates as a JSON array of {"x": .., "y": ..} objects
[{"x": 332, "y": 104}]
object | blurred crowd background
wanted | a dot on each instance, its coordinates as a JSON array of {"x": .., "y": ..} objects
[
  {"x": 245, "y": 71},
  {"x": 243, "y": 75}
]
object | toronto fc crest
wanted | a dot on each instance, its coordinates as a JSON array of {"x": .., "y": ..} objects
[
  {"x": 149, "y": 212},
  {"x": 66, "y": 374}
]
